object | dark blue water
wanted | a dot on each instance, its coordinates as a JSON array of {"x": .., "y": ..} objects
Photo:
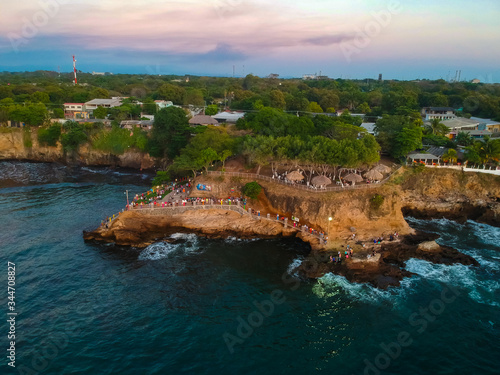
[{"x": 178, "y": 309}]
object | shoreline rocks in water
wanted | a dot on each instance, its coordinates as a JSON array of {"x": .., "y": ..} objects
[
  {"x": 387, "y": 267},
  {"x": 379, "y": 264}
]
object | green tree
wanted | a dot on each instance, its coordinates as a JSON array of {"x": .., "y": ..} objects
[
  {"x": 464, "y": 139},
  {"x": 211, "y": 110},
  {"x": 49, "y": 136},
  {"x": 170, "y": 132},
  {"x": 207, "y": 157},
  {"x": 484, "y": 151},
  {"x": 161, "y": 178},
  {"x": 40, "y": 97},
  {"x": 171, "y": 92},
  {"x": 408, "y": 139},
  {"x": 394, "y": 139},
  {"x": 57, "y": 113},
  {"x": 364, "y": 108},
  {"x": 450, "y": 156},
  {"x": 223, "y": 157},
  {"x": 277, "y": 99},
  {"x": 100, "y": 112},
  {"x": 252, "y": 190},
  {"x": 436, "y": 127},
  {"x": 314, "y": 107}
]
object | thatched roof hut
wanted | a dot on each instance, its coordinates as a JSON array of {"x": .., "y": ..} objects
[
  {"x": 382, "y": 168},
  {"x": 353, "y": 178},
  {"x": 374, "y": 175},
  {"x": 321, "y": 181},
  {"x": 294, "y": 176}
]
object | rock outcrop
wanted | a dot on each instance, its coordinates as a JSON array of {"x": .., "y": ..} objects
[{"x": 12, "y": 148}]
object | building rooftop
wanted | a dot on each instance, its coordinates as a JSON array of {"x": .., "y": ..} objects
[
  {"x": 203, "y": 120},
  {"x": 116, "y": 102},
  {"x": 460, "y": 122},
  {"x": 440, "y": 108}
]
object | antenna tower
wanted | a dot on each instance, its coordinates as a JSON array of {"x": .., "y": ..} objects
[{"x": 74, "y": 69}]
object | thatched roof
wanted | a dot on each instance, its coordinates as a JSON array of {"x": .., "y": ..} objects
[
  {"x": 353, "y": 177},
  {"x": 374, "y": 175},
  {"x": 382, "y": 168},
  {"x": 294, "y": 176},
  {"x": 321, "y": 181}
]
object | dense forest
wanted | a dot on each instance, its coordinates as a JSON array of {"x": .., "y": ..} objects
[{"x": 283, "y": 120}]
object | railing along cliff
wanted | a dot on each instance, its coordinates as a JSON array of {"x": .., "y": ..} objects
[
  {"x": 227, "y": 207},
  {"x": 300, "y": 186}
]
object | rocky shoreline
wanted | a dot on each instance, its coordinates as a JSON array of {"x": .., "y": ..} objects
[
  {"x": 381, "y": 264},
  {"x": 431, "y": 194}
]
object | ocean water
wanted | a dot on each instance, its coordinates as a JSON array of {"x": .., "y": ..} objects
[{"x": 223, "y": 306}]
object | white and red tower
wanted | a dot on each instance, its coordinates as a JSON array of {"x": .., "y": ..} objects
[{"x": 74, "y": 68}]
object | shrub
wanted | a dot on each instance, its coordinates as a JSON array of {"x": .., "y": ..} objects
[
  {"x": 161, "y": 177},
  {"x": 73, "y": 138},
  {"x": 377, "y": 201},
  {"x": 27, "y": 142},
  {"x": 252, "y": 190},
  {"x": 118, "y": 140},
  {"x": 49, "y": 136}
]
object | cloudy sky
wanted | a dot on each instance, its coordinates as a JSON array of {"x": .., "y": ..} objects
[{"x": 404, "y": 39}]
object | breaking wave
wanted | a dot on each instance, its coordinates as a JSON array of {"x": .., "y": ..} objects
[
  {"x": 161, "y": 250},
  {"x": 331, "y": 285},
  {"x": 480, "y": 289}
]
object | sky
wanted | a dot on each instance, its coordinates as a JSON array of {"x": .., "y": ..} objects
[{"x": 355, "y": 39}]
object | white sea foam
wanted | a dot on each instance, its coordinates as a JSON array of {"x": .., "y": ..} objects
[
  {"x": 458, "y": 275},
  {"x": 160, "y": 250},
  {"x": 157, "y": 251},
  {"x": 292, "y": 267},
  {"x": 232, "y": 239},
  {"x": 331, "y": 285}
]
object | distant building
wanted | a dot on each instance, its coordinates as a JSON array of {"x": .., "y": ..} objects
[
  {"x": 461, "y": 123},
  {"x": 98, "y": 73},
  {"x": 442, "y": 113},
  {"x": 131, "y": 124},
  {"x": 106, "y": 103},
  {"x": 306, "y": 77},
  {"x": 75, "y": 111},
  {"x": 163, "y": 103},
  {"x": 493, "y": 128},
  {"x": 228, "y": 117},
  {"x": 203, "y": 120},
  {"x": 475, "y": 80},
  {"x": 380, "y": 77}
]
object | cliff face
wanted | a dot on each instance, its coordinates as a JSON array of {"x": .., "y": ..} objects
[
  {"x": 348, "y": 209},
  {"x": 12, "y": 147},
  {"x": 142, "y": 227},
  {"x": 452, "y": 194}
]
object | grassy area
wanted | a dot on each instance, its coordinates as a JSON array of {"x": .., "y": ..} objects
[
  {"x": 5, "y": 130},
  {"x": 118, "y": 140}
]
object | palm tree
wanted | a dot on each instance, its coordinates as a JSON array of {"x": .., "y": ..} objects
[
  {"x": 484, "y": 151},
  {"x": 464, "y": 139},
  {"x": 450, "y": 156},
  {"x": 437, "y": 127}
]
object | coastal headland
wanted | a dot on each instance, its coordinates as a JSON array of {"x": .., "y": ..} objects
[{"x": 378, "y": 235}]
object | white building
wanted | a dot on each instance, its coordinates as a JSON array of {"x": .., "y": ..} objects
[
  {"x": 442, "y": 113},
  {"x": 163, "y": 103}
]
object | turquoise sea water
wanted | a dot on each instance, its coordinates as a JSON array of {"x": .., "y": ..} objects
[{"x": 227, "y": 306}]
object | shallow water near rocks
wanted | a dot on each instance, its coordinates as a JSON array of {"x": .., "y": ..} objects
[{"x": 177, "y": 308}]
